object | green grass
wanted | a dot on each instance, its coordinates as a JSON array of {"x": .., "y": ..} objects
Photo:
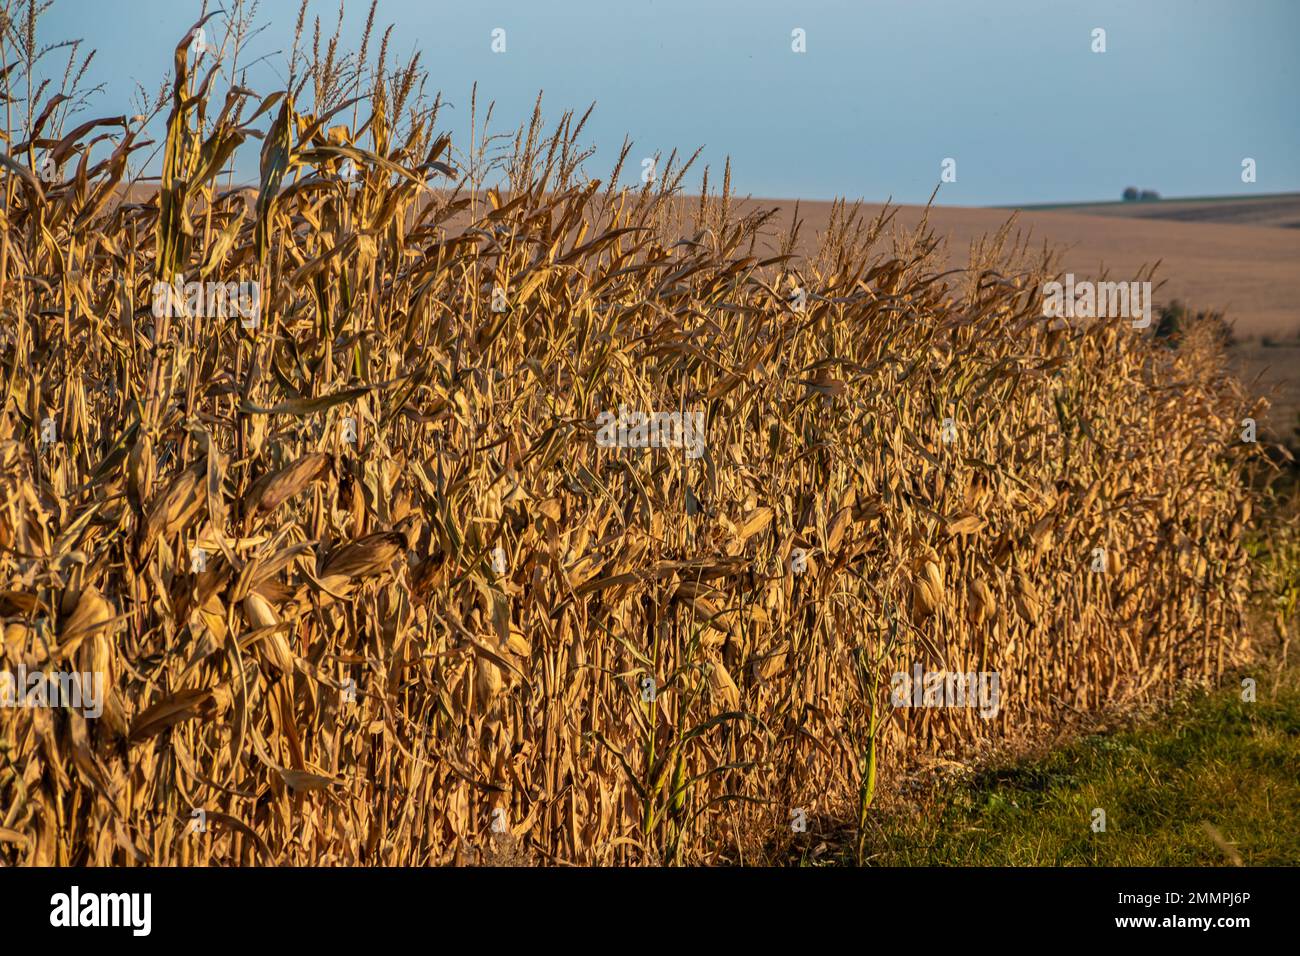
[{"x": 1211, "y": 759}]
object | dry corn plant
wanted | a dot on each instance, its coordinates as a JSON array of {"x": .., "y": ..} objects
[{"x": 364, "y": 587}]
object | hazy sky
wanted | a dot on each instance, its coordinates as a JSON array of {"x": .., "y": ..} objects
[{"x": 887, "y": 89}]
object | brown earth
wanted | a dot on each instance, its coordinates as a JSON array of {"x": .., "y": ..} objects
[
  {"x": 1249, "y": 272},
  {"x": 1280, "y": 211},
  {"x": 1273, "y": 370},
  {"x": 1237, "y": 257}
]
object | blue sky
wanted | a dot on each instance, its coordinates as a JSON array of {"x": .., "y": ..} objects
[{"x": 887, "y": 89}]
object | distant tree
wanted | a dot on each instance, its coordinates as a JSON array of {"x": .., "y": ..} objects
[
  {"x": 1176, "y": 320},
  {"x": 1131, "y": 194},
  {"x": 1148, "y": 195}
]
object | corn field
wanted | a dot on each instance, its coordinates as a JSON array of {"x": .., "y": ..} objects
[{"x": 365, "y": 589}]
